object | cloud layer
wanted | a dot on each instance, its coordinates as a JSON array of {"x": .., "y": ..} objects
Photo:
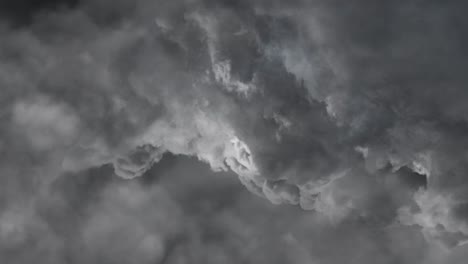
[{"x": 355, "y": 111}]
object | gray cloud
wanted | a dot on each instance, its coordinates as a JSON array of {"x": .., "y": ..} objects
[
  {"x": 352, "y": 110},
  {"x": 181, "y": 212}
]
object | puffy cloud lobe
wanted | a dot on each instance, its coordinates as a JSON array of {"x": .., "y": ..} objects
[
  {"x": 137, "y": 162},
  {"x": 437, "y": 217},
  {"x": 45, "y": 124},
  {"x": 304, "y": 101}
]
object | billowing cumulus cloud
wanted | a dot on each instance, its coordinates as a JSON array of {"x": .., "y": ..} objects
[{"x": 354, "y": 111}]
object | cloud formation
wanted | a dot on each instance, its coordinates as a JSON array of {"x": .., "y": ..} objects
[{"x": 355, "y": 110}]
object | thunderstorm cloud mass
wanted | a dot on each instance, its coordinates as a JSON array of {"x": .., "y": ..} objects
[{"x": 233, "y": 131}]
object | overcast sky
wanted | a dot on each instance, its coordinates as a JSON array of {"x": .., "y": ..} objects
[{"x": 233, "y": 131}]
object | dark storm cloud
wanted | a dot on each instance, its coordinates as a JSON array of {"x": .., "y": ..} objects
[
  {"x": 355, "y": 110},
  {"x": 181, "y": 212},
  {"x": 400, "y": 92},
  {"x": 21, "y": 12}
]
